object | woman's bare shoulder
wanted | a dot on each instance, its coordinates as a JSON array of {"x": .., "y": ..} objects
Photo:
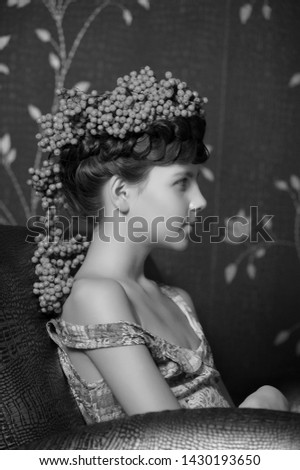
[{"x": 94, "y": 301}]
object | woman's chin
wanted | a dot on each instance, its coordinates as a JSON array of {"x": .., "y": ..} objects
[
  {"x": 178, "y": 244},
  {"x": 177, "y": 241}
]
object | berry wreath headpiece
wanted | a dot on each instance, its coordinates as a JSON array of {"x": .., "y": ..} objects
[{"x": 137, "y": 101}]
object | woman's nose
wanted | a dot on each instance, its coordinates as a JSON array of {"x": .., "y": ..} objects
[{"x": 198, "y": 201}]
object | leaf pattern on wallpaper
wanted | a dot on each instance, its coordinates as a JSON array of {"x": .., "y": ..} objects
[
  {"x": 18, "y": 3},
  {"x": 4, "y": 69},
  {"x": 230, "y": 272},
  {"x": 251, "y": 270},
  {"x": 281, "y": 185},
  {"x": 207, "y": 173},
  {"x": 5, "y": 144},
  {"x": 266, "y": 11},
  {"x": 285, "y": 335},
  {"x": 238, "y": 229},
  {"x": 83, "y": 86},
  {"x": 54, "y": 61},
  {"x": 144, "y": 3},
  {"x": 34, "y": 112},
  {"x": 60, "y": 60},
  {"x": 292, "y": 187},
  {"x": 260, "y": 252},
  {"x": 246, "y": 10},
  {"x": 240, "y": 226},
  {"x": 282, "y": 337},
  {"x": 4, "y": 40},
  {"x": 43, "y": 35},
  {"x": 127, "y": 16},
  {"x": 7, "y": 157},
  {"x": 295, "y": 182},
  {"x": 294, "y": 80}
]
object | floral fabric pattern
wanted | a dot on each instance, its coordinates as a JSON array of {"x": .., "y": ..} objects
[{"x": 190, "y": 374}]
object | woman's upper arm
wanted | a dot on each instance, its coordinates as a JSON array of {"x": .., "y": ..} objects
[
  {"x": 134, "y": 379},
  {"x": 129, "y": 371}
]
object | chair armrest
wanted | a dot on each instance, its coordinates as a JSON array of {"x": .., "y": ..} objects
[{"x": 209, "y": 428}]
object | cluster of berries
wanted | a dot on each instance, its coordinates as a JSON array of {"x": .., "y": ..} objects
[{"x": 138, "y": 100}]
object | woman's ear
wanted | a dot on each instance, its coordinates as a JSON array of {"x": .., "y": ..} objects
[{"x": 119, "y": 194}]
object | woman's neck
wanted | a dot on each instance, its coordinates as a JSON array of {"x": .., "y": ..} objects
[{"x": 115, "y": 256}]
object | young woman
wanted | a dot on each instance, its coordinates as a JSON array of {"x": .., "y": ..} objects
[{"x": 130, "y": 158}]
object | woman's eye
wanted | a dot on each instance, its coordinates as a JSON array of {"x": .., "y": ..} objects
[{"x": 183, "y": 183}]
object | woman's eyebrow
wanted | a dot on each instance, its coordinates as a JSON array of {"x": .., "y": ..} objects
[{"x": 188, "y": 173}]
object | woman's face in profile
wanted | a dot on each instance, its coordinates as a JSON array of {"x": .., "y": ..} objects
[{"x": 162, "y": 204}]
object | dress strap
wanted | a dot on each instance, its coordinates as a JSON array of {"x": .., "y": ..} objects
[
  {"x": 175, "y": 295},
  {"x": 95, "y": 336}
]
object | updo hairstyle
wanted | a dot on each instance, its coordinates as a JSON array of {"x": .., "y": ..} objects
[{"x": 86, "y": 167}]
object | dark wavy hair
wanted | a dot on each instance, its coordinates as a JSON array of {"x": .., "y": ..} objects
[{"x": 86, "y": 167}]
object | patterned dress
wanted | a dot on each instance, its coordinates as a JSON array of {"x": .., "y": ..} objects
[{"x": 191, "y": 375}]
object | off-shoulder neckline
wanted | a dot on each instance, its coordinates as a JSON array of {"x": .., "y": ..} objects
[{"x": 163, "y": 287}]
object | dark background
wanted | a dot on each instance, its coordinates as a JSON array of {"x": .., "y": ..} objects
[{"x": 245, "y": 57}]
